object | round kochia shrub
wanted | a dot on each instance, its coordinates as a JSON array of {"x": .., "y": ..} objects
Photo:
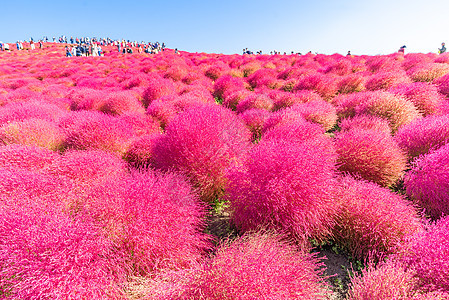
[
  {"x": 201, "y": 143},
  {"x": 426, "y": 254},
  {"x": 424, "y": 96},
  {"x": 427, "y": 182},
  {"x": 154, "y": 219},
  {"x": 372, "y": 155},
  {"x": 398, "y": 111},
  {"x": 372, "y": 221},
  {"x": 45, "y": 254},
  {"x": 423, "y": 135},
  {"x": 286, "y": 186},
  {"x": 258, "y": 266},
  {"x": 387, "y": 281},
  {"x": 30, "y": 158},
  {"x": 33, "y": 132},
  {"x": 365, "y": 122}
]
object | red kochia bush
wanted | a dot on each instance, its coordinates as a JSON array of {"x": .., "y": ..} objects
[
  {"x": 47, "y": 255},
  {"x": 157, "y": 87},
  {"x": 398, "y": 111},
  {"x": 324, "y": 85},
  {"x": 117, "y": 103},
  {"x": 30, "y": 158},
  {"x": 365, "y": 122},
  {"x": 258, "y": 266},
  {"x": 424, "y": 134},
  {"x": 227, "y": 84},
  {"x": 428, "y": 182},
  {"x": 319, "y": 111},
  {"x": 351, "y": 83},
  {"x": 254, "y": 120},
  {"x": 87, "y": 167},
  {"x": 33, "y": 132},
  {"x": 140, "y": 152},
  {"x": 387, "y": 281},
  {"x": 285, "y": 99},
  {"x": 428, "y": 72},
  {"x": 426, "y": 254},
  {"x": 372, "y": 155},
  {"x": 200, "y": 143},
  {"x": 96, "y": 130},
  {"x": 372, "y": 220},
  {"x": 424, "y": 96},
  {"x": 386, "y": 80},
  {"x": 260, "y": 101},
  {"x": 27, "y": 110},
  {"x": 154, "y": 219},
  {"x": 287, "y": 186}
]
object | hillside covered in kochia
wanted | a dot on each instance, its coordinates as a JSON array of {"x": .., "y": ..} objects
[{"x": 112, "y": 168}]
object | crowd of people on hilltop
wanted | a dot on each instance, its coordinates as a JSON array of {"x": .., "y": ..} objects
[
  {"x": 86, "y": 46},
  {"x": 246, "y": 51}
]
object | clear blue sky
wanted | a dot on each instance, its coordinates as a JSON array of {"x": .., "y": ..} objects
[{"x": 323, "y": 26}]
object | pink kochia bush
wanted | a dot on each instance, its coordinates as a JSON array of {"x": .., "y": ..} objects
[
  {"x": 426, "y": 255},
  {"x": 398, "y": 111},
  {"x": 318, "y": 111},
  {"x": 427, "y": 182},
  {"x": 201, "y": 143},
  {"x": 423, "y": 95},
  {"x": 372, "y": 155},
  {"x": 423, "y": 135},
  {"x": 287, "y": 186},
  {"x": 387, "y": 281},
  {"x": 372, "y": 221},
  {"x": 95, "y": 130},
  {"x": 33, "y": 132},
  {"x": 45, "y": 254},
  {"x": 140, "y": 152},
  {"x": 157, "y": 87},
  {"x": 365, "y": 122},
  {"x": 154, "y": 219},
  {"x": 258, "y": 266},
  {"x": 30, "y": 158}
]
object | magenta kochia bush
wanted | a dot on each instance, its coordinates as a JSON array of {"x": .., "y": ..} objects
[
  {"x": 386, "y": 80},
  {"x": 96, "y": 130},
  {"x": 285, "y": 185},
  {"x": 372, "y": 155},
  {"x": 227, "y": 84},
  {"x": 30, "y": 158},
  {"x": 154, "y": 219},
  {"x": 258, "y": 266},
  {"x": 254, "y": 119},
  {"x": 397, "y": 110},
  {"x": 140, "y": 152},
  {"x": 318, "y": 111},
  {"x": 33, "y": 132},
  {"x": 427, "y": 182},
  {"x": 365, "y": 122},
  {"x": 387, "y": 281},
  {"x": 424, "y": 134},
  {"x": 157, "y": 87},
  {"x": 424, "y": 96},
  {"x": 87, "y": 167},
  {"x": 372, "y": 221},
  {"x": 426, "y": 254},
  {"x": 48, "y": 255},
  {"x": 201, "y": 143}
]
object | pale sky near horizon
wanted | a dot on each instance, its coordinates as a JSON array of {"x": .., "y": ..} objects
[{"x": 322, "y": 26}]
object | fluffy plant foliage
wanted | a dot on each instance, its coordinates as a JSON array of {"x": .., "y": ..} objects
[
  {"x": 48, "y": 255},
  {"x": 258, "y": 266},
  {"x": 286, "y": 186},
  {"x": 423, "y": 135},
  {"x": 372, "y": 221},
  {"x": 374, "y": 156},
  {"x": 201, "y": 143},
  {"x": 367, "y": 122},
  {"x": 427, "y": 182},
  {"x": 426, "y": 253},
  {"x": 154, "y": 219}
]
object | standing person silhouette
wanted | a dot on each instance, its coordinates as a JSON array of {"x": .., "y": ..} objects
[{"x": 442, "y": 49}]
